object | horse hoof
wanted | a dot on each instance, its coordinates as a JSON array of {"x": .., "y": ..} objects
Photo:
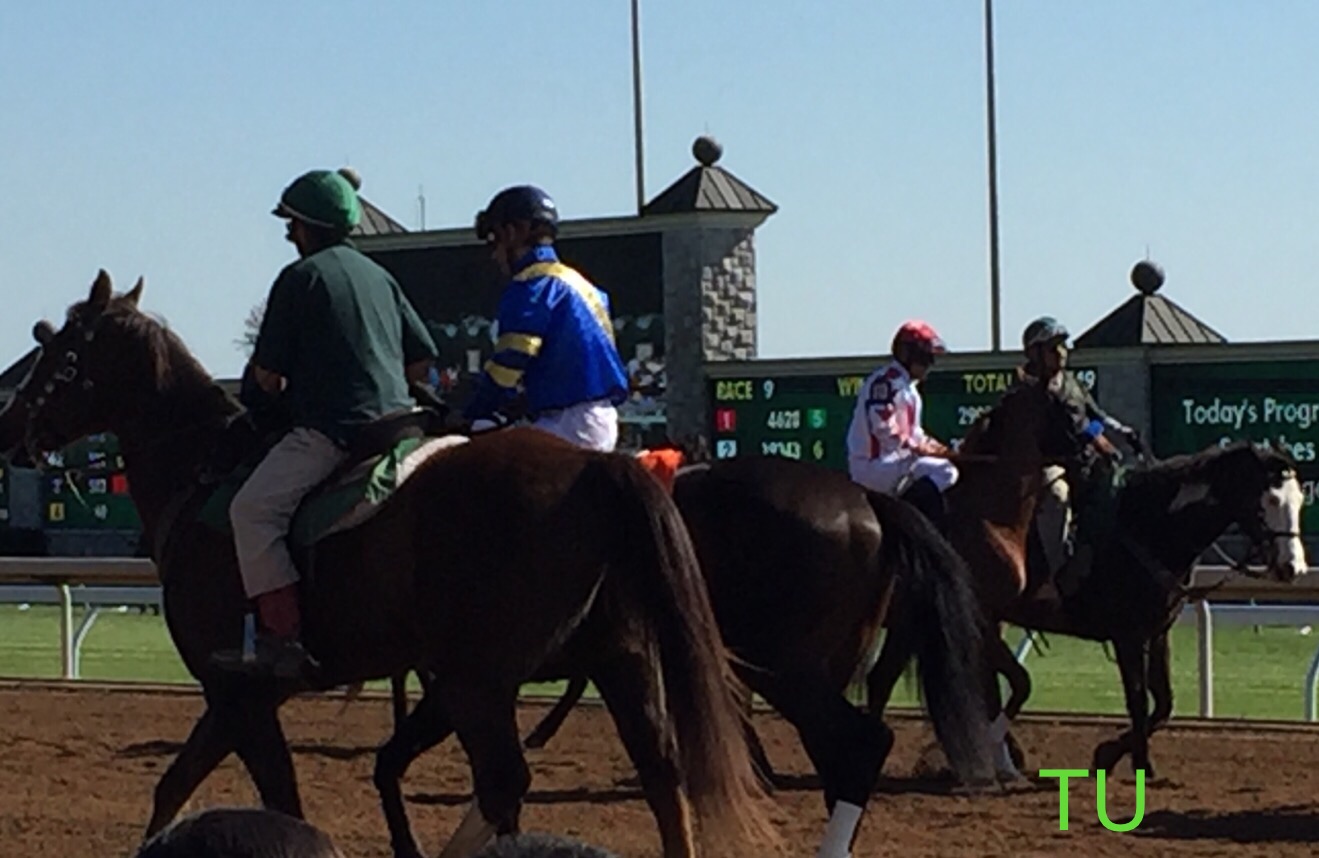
[{"x": 1107, "y": 755}]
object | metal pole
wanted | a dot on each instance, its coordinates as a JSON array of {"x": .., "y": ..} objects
[
  {"x": 636, "y": 104},
  {"x": 1205, "y": 633},
  {"x": 68, "y": 669},
  {"x": 994, "y": 310}
]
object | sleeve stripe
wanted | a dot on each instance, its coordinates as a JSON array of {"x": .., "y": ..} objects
[
  {"x": 502, "y": 375},
  {"x": 527, "y": 344}
]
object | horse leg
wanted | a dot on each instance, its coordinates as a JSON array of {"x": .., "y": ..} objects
[
  {"x": 210, "y": 741},
  {"x": 847, "y": 747},
  {"x": 485, "y": 719},
  {"x": 888, "y": 668},
  {"x": 553, "y": 720},
  {"x": 1132, "y": 659},
  {"x": 398, "y": 690},
  {"x": 1008, "y": 756},
  {"x": 632, "y": 691},
  {"x": 1160, "y": 691},
  {"x": 265, "y": 753},
  {"x": 1160, "y": 681},
  {"x": 422, "y": 729}
]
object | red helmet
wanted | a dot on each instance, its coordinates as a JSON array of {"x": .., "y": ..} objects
[{"x": 921, "y": 335}]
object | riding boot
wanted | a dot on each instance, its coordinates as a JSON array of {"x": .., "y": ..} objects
[
  {"x": 276, "y": 650},
  {"x": 926, "y": 497}
]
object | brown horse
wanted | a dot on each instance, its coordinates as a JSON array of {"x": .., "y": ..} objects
[
  {"x": 491, "y": 558},
  {"x": 1168, "y": 516},
  {"x": 801, "y": 564}
]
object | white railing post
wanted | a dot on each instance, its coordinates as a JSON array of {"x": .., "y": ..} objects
[
  {"x": 68, "y": 669},
  {"x": 1204, "y": 627},
  {"x": 79, "y": 636},
  {"x": 1311, "y": 691},
  {"x": 1023, "y": 649}
]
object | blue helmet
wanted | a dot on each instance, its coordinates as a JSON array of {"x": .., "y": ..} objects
[{"x": 518, "y": 203}]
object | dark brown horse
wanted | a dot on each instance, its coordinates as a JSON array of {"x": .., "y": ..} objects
[
  {"x": 801, "y": 564},
  {"x": 1167, "y": 517},
  {"x": 491, "y": 558}
]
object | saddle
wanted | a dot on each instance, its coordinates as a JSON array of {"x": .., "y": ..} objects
[{"x": 382, "y": 456}]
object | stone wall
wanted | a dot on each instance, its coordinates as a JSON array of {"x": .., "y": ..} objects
[
  {"x": 1124, "y": 390},
  {"x": 710, "y": 315}
]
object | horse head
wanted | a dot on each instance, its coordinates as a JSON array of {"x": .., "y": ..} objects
[
  {"x": 1258, "y": 488},
  {"x": 99, "y": 372},
  {"x": 75, "y": 387}
]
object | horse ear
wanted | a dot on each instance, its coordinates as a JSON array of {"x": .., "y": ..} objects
[
  {"x": 102, "y": 289},
  {"x": 136, "y": 294}
]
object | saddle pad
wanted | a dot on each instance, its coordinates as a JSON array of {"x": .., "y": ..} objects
[{"x": 350, "y": 500}]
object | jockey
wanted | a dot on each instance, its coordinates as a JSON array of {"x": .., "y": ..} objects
[
  {"x": 556, "y": 338},
  {"x": 886, "y": 443},
  {"x": 1045, "y": 345},
  {"x": 339, "y": 342}
]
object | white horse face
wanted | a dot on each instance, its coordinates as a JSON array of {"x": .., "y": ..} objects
[{"x": 1281, "y": 508}]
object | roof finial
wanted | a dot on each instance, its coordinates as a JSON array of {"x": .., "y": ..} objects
[
  {"x": 1147, "y": 276},
  {"x": 707, "y": 150}
]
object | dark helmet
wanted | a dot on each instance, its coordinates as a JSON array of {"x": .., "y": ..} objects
[
  {"x": 518, "y": 203},
  {"x": 1045, "y": 329}
]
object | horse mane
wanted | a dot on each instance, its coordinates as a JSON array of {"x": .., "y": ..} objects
[
  {"x": 171, "y": 363},
  {"x": 1197, "y": 466}
]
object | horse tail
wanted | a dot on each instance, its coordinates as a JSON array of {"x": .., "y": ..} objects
[
  {"x": 660, "y": 583},
  {"x": 939, "y": 620}
]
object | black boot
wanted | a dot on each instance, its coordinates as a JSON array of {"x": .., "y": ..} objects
[{"x": 926, "y": 497}]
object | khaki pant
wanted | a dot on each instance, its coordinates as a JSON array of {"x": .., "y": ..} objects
[
  {"x": 263, "y": 508},
  {"x": 1053, "y": 517}
]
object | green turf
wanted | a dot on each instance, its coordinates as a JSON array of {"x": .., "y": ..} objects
[{"x": 1258, "y": 673}]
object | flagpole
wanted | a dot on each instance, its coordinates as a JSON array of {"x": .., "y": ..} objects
[
  {"x": 992, "y": 134},
  {"x": 636, "y": 104}
]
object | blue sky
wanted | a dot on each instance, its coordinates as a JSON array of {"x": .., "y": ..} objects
[{"x": 153, "y": 138}]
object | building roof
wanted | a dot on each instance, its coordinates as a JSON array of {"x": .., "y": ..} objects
[
  {"x": 376, "y": 222},
  {"x": 709, "y": 188},
  {"x": 1148, "y": 319}
]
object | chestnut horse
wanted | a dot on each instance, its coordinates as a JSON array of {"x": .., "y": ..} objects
[{"x": 493, "y": 556}]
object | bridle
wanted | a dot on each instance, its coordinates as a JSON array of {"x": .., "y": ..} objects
[{"x": 69, "y": 373}]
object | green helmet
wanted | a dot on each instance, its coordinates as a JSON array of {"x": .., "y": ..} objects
[
  {"x": 323, "y": 198},
  {"x": 1043, "y": 330}
]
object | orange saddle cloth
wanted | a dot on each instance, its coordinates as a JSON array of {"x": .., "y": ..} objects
[{"x": 663, "y": 463}]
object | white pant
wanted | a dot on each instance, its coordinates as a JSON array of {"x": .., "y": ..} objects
[
  {"x": 593, "y": 425},
  {"x": 263, "y": 508},
  {"x": 886, "y": 473}
]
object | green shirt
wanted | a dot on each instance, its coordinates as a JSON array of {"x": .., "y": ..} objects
[{"x": 338, "y": 327}]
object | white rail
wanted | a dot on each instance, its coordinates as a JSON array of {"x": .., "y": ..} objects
[
  {"x": 100, "y": 582},
  {"x": 1206, "y": 615}
]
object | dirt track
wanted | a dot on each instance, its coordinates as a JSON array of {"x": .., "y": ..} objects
[{"x": 78, "y": 769}]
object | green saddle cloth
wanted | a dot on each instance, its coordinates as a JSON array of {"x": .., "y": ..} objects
[{"x": 369, "y": 483}]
